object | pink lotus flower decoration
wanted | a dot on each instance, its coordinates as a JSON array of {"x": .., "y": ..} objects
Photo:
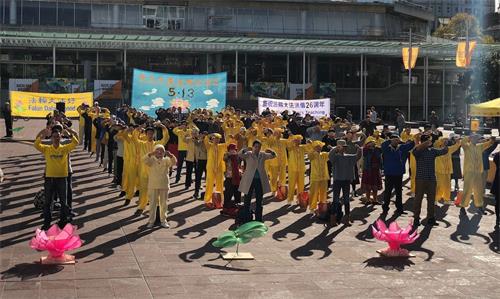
[
  {"x": 395, "y": 237},
  {"x": 56, "y": 242}
]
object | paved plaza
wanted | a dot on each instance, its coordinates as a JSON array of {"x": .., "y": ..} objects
[{"x": 300, "y": 257}]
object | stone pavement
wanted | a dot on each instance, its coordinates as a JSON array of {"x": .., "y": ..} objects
[{"x": 299, "y": 258}]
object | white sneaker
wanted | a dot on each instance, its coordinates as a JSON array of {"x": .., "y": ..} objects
[
  {"x": 165, "y": 225},
  {"x": 150, "y": 225}
]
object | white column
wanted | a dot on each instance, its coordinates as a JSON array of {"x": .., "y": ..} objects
[
  {"x": 236, "y": 79},
  {"x": 54, "y": 61},
  {"x": 361, "y": 75},
  {"x": 303, "y": 75}
]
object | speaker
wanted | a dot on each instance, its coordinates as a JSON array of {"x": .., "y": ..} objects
[{"x": 61, "y": 107}]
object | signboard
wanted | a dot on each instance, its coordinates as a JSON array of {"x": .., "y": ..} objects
[
  {"x": 316, "y": 108},
  {"x": 327, "y": 90},
  {"x": 296, "y": 91},
  {"x": 31, "y": 104},
  {"x": 151, "y": 90},
  {"x": 23, "y": 85},
  {"x": 267, "y": 89},
  {"x": 107, "y": 90}
]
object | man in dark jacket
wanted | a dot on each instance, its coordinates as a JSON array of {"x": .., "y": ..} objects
[
  {"x": 394, "y": 157},
  {"x": 7, "y": 116}
]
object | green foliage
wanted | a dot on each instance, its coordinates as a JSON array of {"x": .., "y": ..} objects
[
  {"x": 484, "y": 79},
  {"x": 242, "y": 235},
  {"x": 457, "y": 27}
]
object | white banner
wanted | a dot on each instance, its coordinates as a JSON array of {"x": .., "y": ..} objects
[{"x": 316, "y": 108}]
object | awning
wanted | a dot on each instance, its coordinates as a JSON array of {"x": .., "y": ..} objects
[{"x": 489, "y": 109}]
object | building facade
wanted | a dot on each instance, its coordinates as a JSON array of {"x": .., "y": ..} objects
[{"x": 356, "y": 46}]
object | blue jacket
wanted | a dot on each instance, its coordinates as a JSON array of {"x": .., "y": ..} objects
[
  {"x": 395, "y": 158},
  {"x": 486, "y": 154}
]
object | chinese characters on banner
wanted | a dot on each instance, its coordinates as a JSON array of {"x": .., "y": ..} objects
[
  {"x": 151, "y": 91},
  {"x": 31, "y": 104},
  {"x": 316, "y": 108}
]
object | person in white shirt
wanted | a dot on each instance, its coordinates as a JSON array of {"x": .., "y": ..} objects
[{"x": 159, "y": 162}]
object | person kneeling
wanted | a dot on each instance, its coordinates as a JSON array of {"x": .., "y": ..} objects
[{"x": 159, "y": 162}]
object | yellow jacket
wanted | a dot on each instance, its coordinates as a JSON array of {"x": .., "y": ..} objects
[
  {"x": 405, "y": 136},
  {"x": 215, "y": 156},
  {"x": 443, "y": 163},
  {"x": 56, "y": 159},
  {"x": 181, "y": 134},
  {"x": 319, "y": 167},
  {"x": 144, "y": 147},
  {"x": 296, "y": 159},
  {"x": 158, "y": 171},
  {"x": 473, "y": 155}
]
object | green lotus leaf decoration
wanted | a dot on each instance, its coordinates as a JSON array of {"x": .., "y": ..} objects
[{"x": 242, "y": 235}]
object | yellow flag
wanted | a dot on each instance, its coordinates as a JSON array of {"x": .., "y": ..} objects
[
  {"x": 414, "y": 55},
  {"x": 32, "y": 104},
  {"x": 464, "y": 55}
]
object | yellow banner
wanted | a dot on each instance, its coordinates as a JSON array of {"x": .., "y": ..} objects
[
  {"x": 33, "y": 104},
  {"x": 414, "y": 55},
  {"x": 464, "y": 55}
]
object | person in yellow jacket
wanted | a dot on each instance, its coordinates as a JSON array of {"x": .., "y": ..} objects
[
  {"x": 281, "y": 159},
  {"x": 473, "y": 170},
  {"x": 444, "y": 169},
  {"x": 145, "y": 145},
  {"x": 215, "y": 166},
  {"x": 296, "y": 165},
  {"x": 81, "y": 121},
  {"x": 130, "y": 162},
  {"x": 159, "y": 162},
  {"x": 319, "y": 175}
]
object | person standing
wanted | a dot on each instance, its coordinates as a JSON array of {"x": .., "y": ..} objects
[
  {"x": 455, "y": 160},
  {"x": 232, "y": 177},
  {"x": 343, "y": 173},
  {"x": 159, "y": 163},
  {"x": 200, "y": 158},
  {"x": 181, "y": 132},
  {"x": 394, "y": 160},
  {"x": 371, "y": 181},
  {"x": 425, "y": 180},
  {"x": 190, "y": 157},
  {"x": 400, "y": 122},
  {"x": 215, "y": 166},
  {"x": 319, "y": 175},
  {"x": 434, "y": 119},
  {"x": 444, "y": 169},
  {"x": 296, "y": 165},
  {"x": 495, "y": 189},
  {"x": 56, "y": 172},
  {"x": 473, "y": 170},
  {"x": 254, "y": 178},
  {"x": 7, "y": 117}
]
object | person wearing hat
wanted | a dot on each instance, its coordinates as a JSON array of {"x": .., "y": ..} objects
[
  {"x": 319, "y": 175},
  {"x": 394, "y": 162},
  {"x": 215, "y": 166},
  {"x": 444, "y": 169},
  {"x": 158, "y": 162},
  {"x": 473, "y": 170},
  {"x": 143, "y": 146},
  {"x": 56, "y": 171},
  {"x": 296, "y": 165},
  {"x": 371, "y": 180},
  {"x": 254, "y": 178},
  {"x": 343, "y": 174},
  {"x": 425, "y": 177}
]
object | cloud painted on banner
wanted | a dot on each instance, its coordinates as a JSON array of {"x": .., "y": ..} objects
[
  {"x": 157, "y": 102},
  {"x": 152, "y": 92},
  {"x": 212, "y": 103},
  {"x": 208, "y": 92},
  {"x": 147, "y": 108}
]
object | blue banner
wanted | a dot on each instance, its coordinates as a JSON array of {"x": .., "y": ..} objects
[{"x": 151, "y": 91}]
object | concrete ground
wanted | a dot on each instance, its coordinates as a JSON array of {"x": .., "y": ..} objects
[{"x": 298, "y": 258}]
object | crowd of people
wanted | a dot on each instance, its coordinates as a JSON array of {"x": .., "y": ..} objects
[{"x": 233, "y": 152}]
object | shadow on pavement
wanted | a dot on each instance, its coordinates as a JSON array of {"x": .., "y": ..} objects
[
  {"x": 27, "y": 271},
  {"x": 389, "y": 263}
]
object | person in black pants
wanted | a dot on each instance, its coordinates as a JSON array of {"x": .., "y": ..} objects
[
  {"x": 495, "y": 189},
  {"x": 87, "y": 131},
  {"x": 394, "y": 161},
  {"x": 232, "y": 177},
  {"x": 200, "y": 156},
  {"x": 7, "y": 116},
  {"x": 254, "y": 179}
]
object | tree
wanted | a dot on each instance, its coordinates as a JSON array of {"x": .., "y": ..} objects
[
  {"x": 457, "y": 28},
  {"x": 484, "y": 78}
]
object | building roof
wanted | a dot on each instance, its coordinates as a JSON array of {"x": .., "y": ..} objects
[{"x": 32, "y": 39}]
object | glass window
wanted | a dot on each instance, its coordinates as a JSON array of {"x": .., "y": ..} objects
[
  {"x": 335, "y": 23},
  {"x": 244, "y": 20},
  {"x": 221, "y": 19},
  {"x": 291, "y": 21},
  {"x": 260, "y": 20},
  {"x": 133, "y": 16},
  {"x": 275, "y": 19},
  {"x": 349, "y": 23},
  {"x": 31, "y": 12},
  {"x": 320, "y": 22},
  {"x": 82, "y": 15},
  {"x": 66, "y": 14},
  {"x": 100, "y": 15},
  {"x": 48, "y": 13},
  {"x": 198, "y": 18}
]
